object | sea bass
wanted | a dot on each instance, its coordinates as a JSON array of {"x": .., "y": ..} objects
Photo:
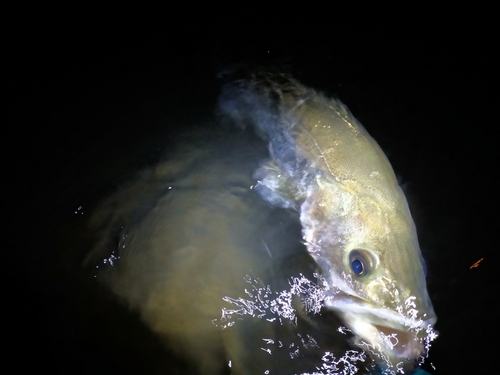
[
  {"x": 188, "y": 234},
  {"x": 355, "y": 219}
]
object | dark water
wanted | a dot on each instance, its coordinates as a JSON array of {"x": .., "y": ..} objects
[{"x": 88, "y": 106}]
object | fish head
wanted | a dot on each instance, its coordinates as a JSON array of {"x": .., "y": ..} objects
[
  {"x": 355, "y": 219},
  {"x": 366, "y": 242}
]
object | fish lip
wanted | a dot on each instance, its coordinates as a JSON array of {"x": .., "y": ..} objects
[
  {"x": 378, "y": 315},
  {"x": 374, "y": 326}
]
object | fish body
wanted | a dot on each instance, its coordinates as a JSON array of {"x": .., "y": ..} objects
[
  {"x": 355, "y": 218},
  {"x": 189, "y": 231},
  {"x": 227, "y": 205}
]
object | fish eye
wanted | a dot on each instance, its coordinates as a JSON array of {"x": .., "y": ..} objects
[
  {"x": 360, "y": 262},
  {"x": 357, "y": 266}
]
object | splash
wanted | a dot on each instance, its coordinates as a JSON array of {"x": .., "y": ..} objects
[
  {"x": 263, "y": 303},
  {"x": 344, "y": 365},
  {"x": 280, "y": 307}
]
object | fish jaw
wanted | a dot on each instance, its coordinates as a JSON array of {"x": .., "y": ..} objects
[
  {"x": 388, "y": 309},
  {"x": 393, "y": 340}
]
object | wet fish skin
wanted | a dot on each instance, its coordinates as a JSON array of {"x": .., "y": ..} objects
[
  {"x": 325, "y": 164},
  {"x": 189, "y": 246},
  {"x": 191, "y": 229}
]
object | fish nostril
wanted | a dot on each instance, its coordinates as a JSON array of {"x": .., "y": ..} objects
[{"x": 389, "y": 284}]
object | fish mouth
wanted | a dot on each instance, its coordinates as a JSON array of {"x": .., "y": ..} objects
[{"x": 392, "y": 339}]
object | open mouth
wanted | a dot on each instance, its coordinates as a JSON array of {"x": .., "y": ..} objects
[{"x": 391, "y": 337}]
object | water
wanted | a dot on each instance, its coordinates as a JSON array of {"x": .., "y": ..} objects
[
  {"x": 279, "y": 308},
  {"x": 221, "y": 277},
  {"x": 98, "y": 128}
]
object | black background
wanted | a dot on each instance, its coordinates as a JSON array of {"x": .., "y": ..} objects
[{"x": 92, "y": 93}]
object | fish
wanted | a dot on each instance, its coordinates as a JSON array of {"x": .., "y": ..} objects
[
  {"x": 355, "y": 219},
  {"x": 289, "y": 184}
]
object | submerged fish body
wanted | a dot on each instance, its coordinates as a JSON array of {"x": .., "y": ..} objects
[
  {"x": 355, "y": 218},
  {"x": 190, "y": 228}
]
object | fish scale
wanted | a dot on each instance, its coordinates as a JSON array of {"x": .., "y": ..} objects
[{"x": 350, "y": 203}]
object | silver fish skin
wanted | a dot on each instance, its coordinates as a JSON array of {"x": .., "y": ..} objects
[{"x": 355, "y": 218}]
